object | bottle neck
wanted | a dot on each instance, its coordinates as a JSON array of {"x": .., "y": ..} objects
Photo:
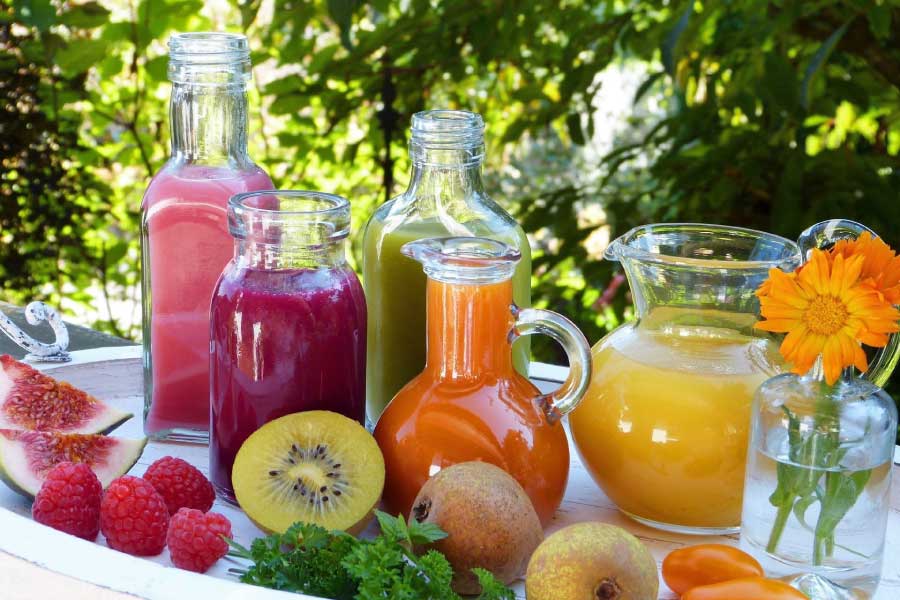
[
  {"x": 286, "y": 256},
  {"x": 468, "y": 330},
  {"x": 209, "y": 123},
  {"x": 445, "y": 174}
]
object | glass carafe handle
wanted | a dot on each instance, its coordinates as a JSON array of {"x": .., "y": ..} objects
[
  {"x": 825, "y": 234},
  {"x": 531, "y": 321}
]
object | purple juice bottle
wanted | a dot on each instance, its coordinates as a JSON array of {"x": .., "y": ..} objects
[{"x": 288, "y": 321}]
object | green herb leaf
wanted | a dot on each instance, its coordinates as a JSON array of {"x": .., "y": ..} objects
[
  {"x": 818, "y": 447},
  {"x": 491, "y": 589},
  {"x": 311, "y": 560},
  {"x": 393, "y": 528},
  {"x": 425, "y": 533}
]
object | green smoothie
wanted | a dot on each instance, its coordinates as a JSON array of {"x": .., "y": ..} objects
[{"x": 395, "y": 296}]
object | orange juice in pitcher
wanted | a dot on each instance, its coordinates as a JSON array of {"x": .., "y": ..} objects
[{"x": 663, "y": 428}]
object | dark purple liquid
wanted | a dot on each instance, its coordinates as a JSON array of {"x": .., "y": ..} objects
[{"x": 282, "y": 342}]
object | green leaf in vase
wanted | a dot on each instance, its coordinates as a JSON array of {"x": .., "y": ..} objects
[{"x": 842, "y": 490}]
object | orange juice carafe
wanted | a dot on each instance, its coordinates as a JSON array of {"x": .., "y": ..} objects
[
  {"x": 469, "y": 403},
  {"x": 663, "y": 427}
]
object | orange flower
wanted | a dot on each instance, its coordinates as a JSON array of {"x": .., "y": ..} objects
[
  {"x": 826, "y": 309},
  {"x": 881, "y": 268}
]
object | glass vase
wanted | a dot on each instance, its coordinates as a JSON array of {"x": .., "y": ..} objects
[{"x": 818, "y": 479}]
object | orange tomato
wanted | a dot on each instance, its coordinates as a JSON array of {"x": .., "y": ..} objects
[
  {"x": 704, "y": 564},
  {"x": 750, "y": 588}
]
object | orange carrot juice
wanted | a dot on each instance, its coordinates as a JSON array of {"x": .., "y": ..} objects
[
  {"x": 663, "y": 428},
  {"x": 470, "y": 404}
]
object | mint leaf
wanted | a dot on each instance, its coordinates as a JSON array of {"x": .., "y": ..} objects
[
  {"x": 425, "y": 533},
  {"x": 393, "y": 528}
]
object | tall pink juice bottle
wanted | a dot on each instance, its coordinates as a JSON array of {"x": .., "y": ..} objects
[{"x": 185, "y": 239}]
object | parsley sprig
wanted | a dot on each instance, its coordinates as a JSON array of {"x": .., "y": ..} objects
[{"x": 311, "y": 560}]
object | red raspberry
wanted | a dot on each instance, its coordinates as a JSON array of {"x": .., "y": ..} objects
[
  {"x": 181, "y": 484},
  {"x": 69, "y": 500},
  {"x": 194, "y": 539},
  {"x": 133, "y": 517}
]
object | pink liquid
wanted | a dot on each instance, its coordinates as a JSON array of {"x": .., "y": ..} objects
[
  {"x": 283, "y": 342},
  {"x": 186, "y": 246}
]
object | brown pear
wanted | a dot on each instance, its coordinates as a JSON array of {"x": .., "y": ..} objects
[
  {"x": 488, "y": 517},
  {"x": 591, "y": 561}
]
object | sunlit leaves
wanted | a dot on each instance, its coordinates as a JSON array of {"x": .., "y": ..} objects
[{"x": 81, "y": 54}]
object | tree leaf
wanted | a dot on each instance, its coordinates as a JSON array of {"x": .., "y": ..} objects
[
  {"x": 880, "y": 21},
  {"x": 646, "y": 85},
  {"x": 670, "y": 42},
  {"x": 85, "y": 16},
  {"x": 322, "y": 58},
  {"x": 80, "y": 55},
  {"x": 158, "y": 67},
  {"x": 818, "y": 61},
  {"x": 37, "y": 13},
  {"x": 341, "y": 12},
  {"x": 780, "y": 82},
  {"x": 249, "y": 9},
  {"x": 573, "y": 123}
]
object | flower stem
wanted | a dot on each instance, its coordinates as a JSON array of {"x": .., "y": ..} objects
[{"x": 784, "y": 511}]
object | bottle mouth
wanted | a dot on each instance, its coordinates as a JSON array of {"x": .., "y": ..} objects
[
  {"x": 289, "y": 216},
  {"x": 207, "y": 52},
  {"x": 464, "y": 260},
  {"x": 447, "y": 130},
  {"x": 703, "y": 246}
]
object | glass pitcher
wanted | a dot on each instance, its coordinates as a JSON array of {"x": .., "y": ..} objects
[
  {"x": 663, "y": 427},
  {"x": 469, "y": 403}
]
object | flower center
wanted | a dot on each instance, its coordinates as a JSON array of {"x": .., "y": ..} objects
[{"x": 826, "y": 315}]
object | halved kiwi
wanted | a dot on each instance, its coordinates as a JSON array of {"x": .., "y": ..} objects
[{"x": 317, "y": 467}]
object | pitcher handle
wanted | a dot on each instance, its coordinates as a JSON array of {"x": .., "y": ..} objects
[
  {"x": 824, "y": 234},
  {"x": 531, "y": 321}
]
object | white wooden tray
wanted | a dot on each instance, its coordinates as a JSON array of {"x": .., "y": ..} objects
[{"x": 114, "y": 375}]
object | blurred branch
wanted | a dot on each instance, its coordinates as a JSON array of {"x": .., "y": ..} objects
[{"x": 387, "y": 119}]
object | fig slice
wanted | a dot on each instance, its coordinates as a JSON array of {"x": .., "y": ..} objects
[
  {"x": 33, "y": 401},
  {"x": 27, "y": 456}
]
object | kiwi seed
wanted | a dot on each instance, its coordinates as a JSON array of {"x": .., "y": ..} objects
[{"x": 302, "y": 474}]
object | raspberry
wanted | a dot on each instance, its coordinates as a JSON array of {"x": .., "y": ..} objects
[
  {"x": 181, "y": 484},
  {"x": 194, "y": 539},
  {"x": 133, "y": 517},
  {"x": 69, "y": 500}
]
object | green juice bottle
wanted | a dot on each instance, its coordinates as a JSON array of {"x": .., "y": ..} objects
[{"x": 445, "y": 197}]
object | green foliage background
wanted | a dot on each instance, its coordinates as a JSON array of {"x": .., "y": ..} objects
[{"x": 772, "y": 115}]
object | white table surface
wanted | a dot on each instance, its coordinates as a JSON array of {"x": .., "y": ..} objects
[{"x": 37, "y": 562}]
